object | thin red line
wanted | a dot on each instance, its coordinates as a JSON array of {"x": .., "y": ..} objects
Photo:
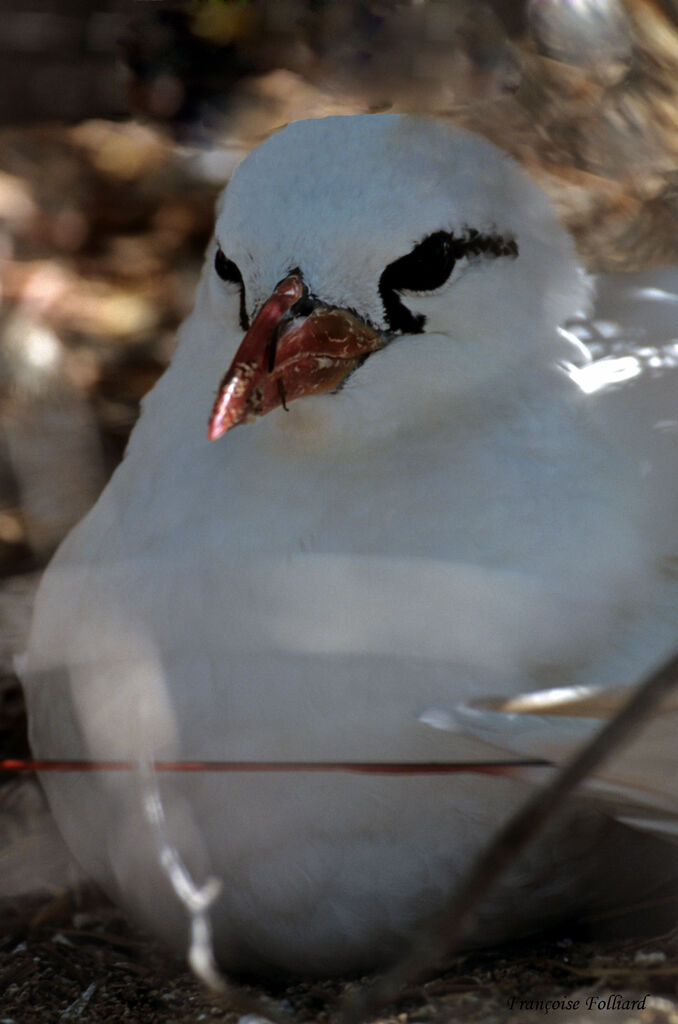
[{"x": 359, "y": 767}]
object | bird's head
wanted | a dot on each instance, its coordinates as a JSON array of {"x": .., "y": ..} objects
[{"x": 382, "y": 270}]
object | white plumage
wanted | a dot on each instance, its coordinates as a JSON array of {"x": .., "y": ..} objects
[{"x": 455, "y": 520}]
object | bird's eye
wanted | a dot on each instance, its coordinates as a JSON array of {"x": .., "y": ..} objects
[
  {"x": 424, "y": 269},
  {"x": 227, "y": 270}
]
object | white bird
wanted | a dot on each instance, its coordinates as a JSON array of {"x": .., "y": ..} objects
[{"x": 416, "y": 506}]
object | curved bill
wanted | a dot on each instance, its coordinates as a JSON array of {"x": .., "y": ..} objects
[{"x": 284, "y": 357}]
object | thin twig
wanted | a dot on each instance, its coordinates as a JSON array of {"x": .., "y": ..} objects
[{"x": 197, "y": 902}]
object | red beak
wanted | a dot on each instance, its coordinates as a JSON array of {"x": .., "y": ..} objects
[{"x": 283, "y": 357}]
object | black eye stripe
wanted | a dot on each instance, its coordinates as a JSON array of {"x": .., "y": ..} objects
[
  {"x": 227, "y": 270},
  {"x": 428, "y": 266},
  {"x": 476, "y": 244}
]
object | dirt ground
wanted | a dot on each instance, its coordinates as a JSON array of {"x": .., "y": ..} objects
[{"x": 64, "y": 958}]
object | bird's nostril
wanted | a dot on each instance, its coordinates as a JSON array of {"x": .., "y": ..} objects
[{"x": 303, "y": 306}]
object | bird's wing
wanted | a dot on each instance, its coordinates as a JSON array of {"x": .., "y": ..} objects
[
  {"x": 638, "y": 784},
  {"x": 631, "y": 359}
]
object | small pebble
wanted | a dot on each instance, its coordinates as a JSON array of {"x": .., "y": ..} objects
[{"x": 649, "y": 959}]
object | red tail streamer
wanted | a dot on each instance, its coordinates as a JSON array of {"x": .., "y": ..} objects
[{"x": 358, "y": 767}]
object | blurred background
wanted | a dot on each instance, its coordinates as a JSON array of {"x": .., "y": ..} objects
[{"x": 120, "y": 121}]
